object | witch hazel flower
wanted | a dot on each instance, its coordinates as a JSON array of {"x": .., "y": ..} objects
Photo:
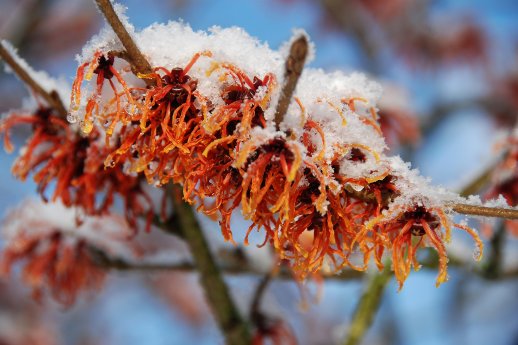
[
  {"x": 319, "y": 185},
  {"x": 55, "y": 253},
  {"x": 57, "y": 152}
]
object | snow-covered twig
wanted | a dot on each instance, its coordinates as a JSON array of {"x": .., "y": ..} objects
[
  {"x": 138, "y": 61},
  {"x": 50, "y": 96}
]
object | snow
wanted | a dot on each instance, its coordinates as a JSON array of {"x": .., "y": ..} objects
[
  {"x": 48, "y": 83},
  {"x": 37, "y": 218},
  {"x": 323, "y": 96}
]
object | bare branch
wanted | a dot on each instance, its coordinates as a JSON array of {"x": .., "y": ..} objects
[
  {"x": 256, "y": 315},
  {"x": 293, "y": 69},
  {"x": 479, "y": 182},
  {"x": 485, "y": 211},
  {"x": 494, "y": 263},
  {"x": 226, "y": 314},
  {"x": 235, "y": 264},
  {"x": 368, "y": 306},
  {"x": 51, "y": 97}
]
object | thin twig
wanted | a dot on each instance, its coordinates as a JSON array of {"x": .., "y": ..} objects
[
  {"x": 234, "y": 328},
  {"x": 293, "y": 69},
  {"x": 494, "y": 263},
  {"x": 234, "y": 264},
  {"x": 118, "y": 264},
  {"x": 101, "y": 259},
  {"x": 367, "y": 307},
  {"x": 485, "y": 211},
  {"x": 51, "y": 97},
  {"x": 138, "y": 61},
  {"x": 474, "y": 210},
  {"x": 256, "y": 315}
]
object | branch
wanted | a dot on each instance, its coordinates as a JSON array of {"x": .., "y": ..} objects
[
  {"x": 293, "y": 70},
  {"x": 508, "y": 213},
  {"x": 367, "y": 307},
  {"x": 235, "y": 264},
  {"x": 102, "y": 260},
  {"x": 52, "y": 97},
  {"x": 494, "y": 264},
  {"x": 137, "y": 60},
  {"x": 226, "y": 314},
  {"x": 256, "y": 316}
]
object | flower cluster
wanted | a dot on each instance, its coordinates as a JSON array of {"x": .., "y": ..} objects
[
  {"x": 57, "y": 153},
  {"x": 55, "y": 252},
  {"x": 320, "y": 189}
]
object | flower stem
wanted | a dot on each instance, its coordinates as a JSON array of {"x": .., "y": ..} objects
[
  {"x": 293, "y": 70},
  {"x": 51, "y": 97},
  {"x": 368, "y": 305}
]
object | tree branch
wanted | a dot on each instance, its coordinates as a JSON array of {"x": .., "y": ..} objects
[
  {"x": 256, "y": 315},
  {"x": 232, "y": 269},
  {"x": 226, "y": 314},
  {"x": 368, "y": 306},
  {"x": 137, "y": 60},
  {"x": 494, "y": 263},
  {"x": 235, "y": 264},
  {"x": 485, "y": 211},
  {"x": 51, "y": 97},
  {"x": 293, "y": 70}
]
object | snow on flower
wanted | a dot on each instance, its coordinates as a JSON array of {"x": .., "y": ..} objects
[{"x": 319, "y": 186}]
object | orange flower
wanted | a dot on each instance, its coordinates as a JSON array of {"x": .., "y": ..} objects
[
  {"x": 56, "y": 153},
  {"x": 55, "y": 251},
  {"x": 290, "y": 184},
  {"x": 406, "y": 229},
  {"x": 102, "y": 66},
  {"x": 161, "y": 125}
]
